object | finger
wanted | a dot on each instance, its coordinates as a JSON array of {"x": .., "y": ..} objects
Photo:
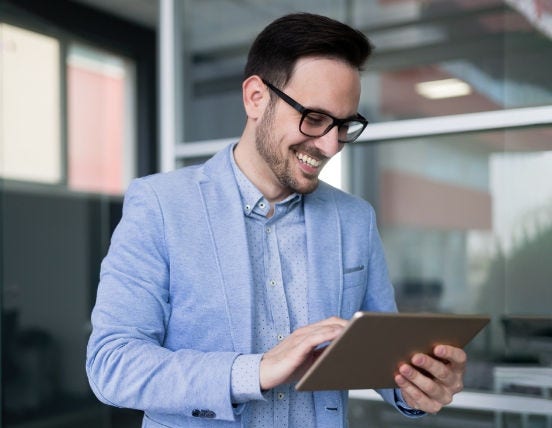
[
  {"x": 331, "y": 320},
  {"x": 447, "y": 373},
  {"x": 450, "y": 375},
  {"x": 328, "y": 325},
  {"x": 317, "y": 336},
  {"x": 416, "y": 398},
  {"x": 320, "y": 332},
  {"x": 292, "y": 354},
  {"x": 421, "y": 381},
  {"x": 450, "y": 353},
  {"x": 434, "y": 368}
]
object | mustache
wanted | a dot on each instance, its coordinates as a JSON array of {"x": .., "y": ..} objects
[{"x": 313, "y": 152}]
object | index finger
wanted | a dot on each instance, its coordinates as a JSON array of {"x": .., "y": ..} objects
[{"x": 331, "y": 320}]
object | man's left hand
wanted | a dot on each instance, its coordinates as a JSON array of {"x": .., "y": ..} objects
[{"x": 429, "y": 382}]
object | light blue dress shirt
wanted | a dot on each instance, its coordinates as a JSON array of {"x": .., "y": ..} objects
[{"x": 277, "y": 248}]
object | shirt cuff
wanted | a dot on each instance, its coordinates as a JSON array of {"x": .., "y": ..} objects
[
  {"x": 404, "y": 408},
  {"x": 245, "y": 383}
]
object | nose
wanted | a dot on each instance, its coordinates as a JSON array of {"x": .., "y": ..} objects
[{"x": 328, "y": 144}]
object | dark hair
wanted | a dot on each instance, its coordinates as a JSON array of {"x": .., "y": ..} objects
[{"x": 277, "y": 48}]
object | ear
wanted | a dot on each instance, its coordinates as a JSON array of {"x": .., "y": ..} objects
[{"x": 255, "y": 97}]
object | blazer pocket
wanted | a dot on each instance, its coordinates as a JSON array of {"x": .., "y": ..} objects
[
  {"x": 353, "y": 269},
  {"x": 354, "y": 276},
  {"x": 354, "y": 286}
]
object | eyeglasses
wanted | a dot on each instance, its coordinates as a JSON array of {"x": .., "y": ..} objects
[{"x": 316, "y": 124}]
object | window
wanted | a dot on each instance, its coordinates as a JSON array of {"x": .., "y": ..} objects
[
  {"x": 100, "y": 121},
  {"x": 98, "y": 153},
  {"x": 68, "y": 148},
  {"x": 30, "y": 106}
]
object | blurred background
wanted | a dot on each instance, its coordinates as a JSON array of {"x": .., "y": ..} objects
[{"x": 457, "y": 161}]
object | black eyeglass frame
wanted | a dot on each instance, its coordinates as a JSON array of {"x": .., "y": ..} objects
[{"x": 305, "y": 111}]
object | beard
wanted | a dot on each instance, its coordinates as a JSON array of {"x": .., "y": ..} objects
[{"x": 281, "y": 166}]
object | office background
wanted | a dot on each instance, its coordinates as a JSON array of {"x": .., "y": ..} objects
[{"x": 457, "y": 161}]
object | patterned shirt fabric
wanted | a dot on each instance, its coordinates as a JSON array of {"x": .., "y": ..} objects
[{"x": 277, "y": 248}]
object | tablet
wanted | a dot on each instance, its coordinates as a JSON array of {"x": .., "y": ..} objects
[{"x": 373, "y": 345}]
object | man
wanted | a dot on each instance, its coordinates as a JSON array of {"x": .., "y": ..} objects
[{"x": 222, "y": 279}]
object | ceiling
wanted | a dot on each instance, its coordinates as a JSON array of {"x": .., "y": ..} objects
[{"x": 143, "y": 12}]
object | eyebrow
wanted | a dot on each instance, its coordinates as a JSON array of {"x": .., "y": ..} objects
[{"x": 324, "y": 111}]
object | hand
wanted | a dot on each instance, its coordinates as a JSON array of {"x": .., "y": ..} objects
[
  {"x": 429, "y": 382},
  {"x": 288, "y": 360}
]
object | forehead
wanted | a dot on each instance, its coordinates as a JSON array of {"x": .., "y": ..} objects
[{"x": 326, "y": 84}]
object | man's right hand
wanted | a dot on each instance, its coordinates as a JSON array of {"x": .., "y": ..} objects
[{"x": 292, "y": 357}]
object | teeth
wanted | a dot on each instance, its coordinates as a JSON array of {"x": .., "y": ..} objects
[{"x": 308, "y": 160}]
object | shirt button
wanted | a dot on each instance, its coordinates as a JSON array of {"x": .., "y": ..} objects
[
  {"x": 272, "y": 282},
  {"x": 281, "y": 396},
  {"x": 248, "y": 208},
  {"x": 268, "y": 230},
  {"x": 262, "y": 205},
  {"x": 280, "y": 337}
]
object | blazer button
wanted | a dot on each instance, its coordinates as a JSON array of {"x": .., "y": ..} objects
[{"x": 197, "y": 413}]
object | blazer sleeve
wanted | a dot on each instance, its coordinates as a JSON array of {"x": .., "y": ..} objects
[{"x": 126, "y": 362}]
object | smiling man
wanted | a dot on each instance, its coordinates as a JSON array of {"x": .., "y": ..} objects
[
  {"x": 223, "y": 279},
  {"x": 292, "y": 142}
]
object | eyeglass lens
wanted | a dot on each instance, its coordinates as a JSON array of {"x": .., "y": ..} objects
[{"x": 316, "y": 124}]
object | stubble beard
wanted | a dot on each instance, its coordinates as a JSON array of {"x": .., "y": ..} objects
[{"x": 267, "y": 146}]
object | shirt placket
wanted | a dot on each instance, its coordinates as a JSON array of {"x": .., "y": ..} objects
[{"x": 277, "y": 302}]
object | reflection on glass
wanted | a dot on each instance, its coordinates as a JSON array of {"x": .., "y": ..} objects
[
  {"x": 466, "y": 222},
  {"x": 100, "y": 121},
  {"x": 498, "y": 52},
  {"x": 478, "y": 56},
  {"x": 53, "y": 247}
]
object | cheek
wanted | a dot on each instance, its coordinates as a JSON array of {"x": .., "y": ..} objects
[
  {"x": 286, "y": 128},
  {"x": 289, "y": 140}
]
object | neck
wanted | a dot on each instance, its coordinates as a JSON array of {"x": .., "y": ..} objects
[{"x": 256, "y": 170}]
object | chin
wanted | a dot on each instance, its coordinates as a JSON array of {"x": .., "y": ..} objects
[{"x": 306, "y": 188}]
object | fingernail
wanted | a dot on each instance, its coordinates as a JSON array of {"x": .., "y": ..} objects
[
  {"x": 406, "y": 370},
  {"x": 418, "y": 359}
]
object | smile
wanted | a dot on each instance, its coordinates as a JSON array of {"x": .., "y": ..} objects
[{"x": 308, "y": 160}]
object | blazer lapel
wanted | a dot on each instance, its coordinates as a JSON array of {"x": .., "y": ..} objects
[
  {"x": 324, "y": 255},
  {"x": 221, "y": 199}
]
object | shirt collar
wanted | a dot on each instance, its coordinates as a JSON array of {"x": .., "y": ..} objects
[{"x": 252, "y": 199}]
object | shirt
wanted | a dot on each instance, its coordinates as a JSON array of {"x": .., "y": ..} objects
[{"x": 277, "y": 248}]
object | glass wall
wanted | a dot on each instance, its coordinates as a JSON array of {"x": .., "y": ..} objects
[
  {"x": 466, "y": 222},
  {"x": 432, "y": 58},
  {"x": 466, "y": 217}
]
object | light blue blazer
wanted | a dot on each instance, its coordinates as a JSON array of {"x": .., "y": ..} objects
[{"x": 174, "y": 303}]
